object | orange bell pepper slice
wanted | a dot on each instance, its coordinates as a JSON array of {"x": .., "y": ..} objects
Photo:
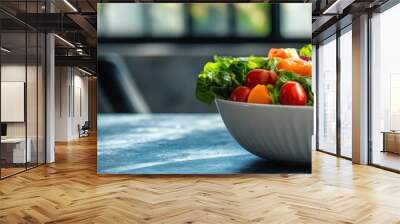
[
  {"x": 278, "y": 53},
  {"x": 259, "y": 94},
  {"x": 298, "y": 66}
]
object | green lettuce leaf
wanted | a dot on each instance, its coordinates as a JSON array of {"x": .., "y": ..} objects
[
  {"x": 220, "y": 77},
  {"x": 306, "y": 51}
]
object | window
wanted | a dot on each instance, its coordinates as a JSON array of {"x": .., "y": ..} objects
[
  {"x": 253, "y": 19},
  {"x": 295, "y": 24},
  {"x": 167, "y": 19},
  {"x": 314, "y": 88},
  {"x": 327, "y": 96},
  {"x": 121, "y": 20},
  {"x": 385, "y": 89},
  {"x": 204, "y": 20},
  {"x": 394, "y": 101},
  {"x": 210, "y": 19},
  {"x": 23, "y": 84},
  {"x": 346, "y": 94}
]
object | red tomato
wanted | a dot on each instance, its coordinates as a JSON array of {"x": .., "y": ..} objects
[
  {"x": 240, "y": 94},
  {"x": 305, "y": 58},
  {"x": 260, "y": 76},
  {"x": 292, "y": 93}
]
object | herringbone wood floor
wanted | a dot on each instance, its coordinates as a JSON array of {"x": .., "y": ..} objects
[{"x": 70, "y": 191}]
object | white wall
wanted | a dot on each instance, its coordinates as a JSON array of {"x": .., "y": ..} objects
[
  {"x": 13, "y": 100},
  {"x": 33, "y": 127},
  {"x": 79, "y": 104},
  {"x": 12, "y": 73},
  {"x": 70, "y": 84},
  {"x": 62, "y": 82}
]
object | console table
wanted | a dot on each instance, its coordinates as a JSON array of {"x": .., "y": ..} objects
[
  {"x": 391, "y": 141},
  {"x": 13, "y": 150}
]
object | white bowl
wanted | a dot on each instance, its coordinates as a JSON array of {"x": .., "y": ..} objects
[{"x": 277, "y": 133}]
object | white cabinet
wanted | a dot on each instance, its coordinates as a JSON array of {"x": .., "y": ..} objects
[{"x": 19, "y": 155}]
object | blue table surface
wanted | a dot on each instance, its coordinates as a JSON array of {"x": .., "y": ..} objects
[{"x": 175, "y": 144}]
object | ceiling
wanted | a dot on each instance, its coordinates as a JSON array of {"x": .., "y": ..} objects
[
  {"x": 76, "y": 21},
  {"x": 329, "y": 15}
]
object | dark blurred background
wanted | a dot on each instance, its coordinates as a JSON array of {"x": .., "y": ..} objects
[{"x": 149, "y": 55}]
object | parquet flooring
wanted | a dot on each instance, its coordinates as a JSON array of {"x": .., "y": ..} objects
[
  {"x": 10, "y": 171},
  {"x": 70, "y": 191}
]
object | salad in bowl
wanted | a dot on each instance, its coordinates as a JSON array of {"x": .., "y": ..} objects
[
  {"x": 265, "y": 102},
  {"x": 284, "y": 77}
]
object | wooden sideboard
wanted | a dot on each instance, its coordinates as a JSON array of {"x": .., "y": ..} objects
[{"x": 391, "y": 141}]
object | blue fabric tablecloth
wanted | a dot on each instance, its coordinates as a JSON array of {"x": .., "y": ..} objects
[{"x": 174, "y": 144}]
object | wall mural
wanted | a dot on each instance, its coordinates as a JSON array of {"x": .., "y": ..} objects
[{"x": 204, "y": 88}]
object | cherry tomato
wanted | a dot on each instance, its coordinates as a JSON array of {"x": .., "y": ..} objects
[
  {"x": 240, "y": 94},
  {"x": 292, "y": 93},
  {"x": 260, "y": 76}
]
